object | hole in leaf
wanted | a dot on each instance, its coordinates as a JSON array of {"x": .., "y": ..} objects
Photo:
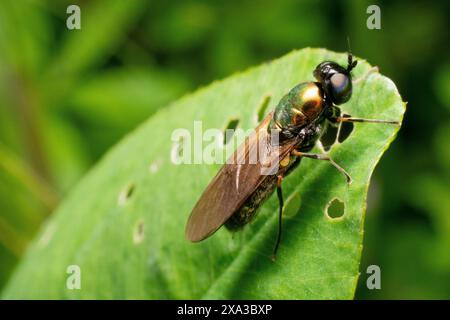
[
  {"x": 126, "y": 194},
  {"x": 263, "y": 107},
  {"x": 292, "y": 205},
  {"x": 346, "y": 130},
  {"x": 335, "y": 209},
  {"x": 154, "y": 166},
  {"x": 47, "y": 235},
  {"x": 229, "y": 130},
  {"x": 329, "y": 137},
  {"x": 138, "y": 234}
]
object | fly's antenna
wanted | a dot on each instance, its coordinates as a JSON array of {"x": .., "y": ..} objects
[{"x": 351, "y": 64}]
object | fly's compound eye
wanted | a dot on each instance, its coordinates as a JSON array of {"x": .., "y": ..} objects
[{"x": 340, "y": 88}]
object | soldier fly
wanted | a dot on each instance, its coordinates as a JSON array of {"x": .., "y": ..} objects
[{"x": 300, "y": 118}]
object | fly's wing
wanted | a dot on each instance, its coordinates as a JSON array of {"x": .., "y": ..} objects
[{"x": 252, "y": 162}]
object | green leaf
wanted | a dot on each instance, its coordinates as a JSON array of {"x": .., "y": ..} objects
[{"x": 124, "y": 223}]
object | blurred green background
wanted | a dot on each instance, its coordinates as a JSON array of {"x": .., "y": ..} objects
[{"x": 68, "y": 96}]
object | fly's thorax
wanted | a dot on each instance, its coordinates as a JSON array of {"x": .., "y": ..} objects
[
  {"x": 309, "y": 100},
  {"x": 301, "y": 106}
]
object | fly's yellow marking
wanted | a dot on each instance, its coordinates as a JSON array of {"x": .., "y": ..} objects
[{"x": 285, "y": 161}]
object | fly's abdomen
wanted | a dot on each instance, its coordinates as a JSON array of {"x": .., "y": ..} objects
[
  {"x": 248, "y": 210},
  {"x": 250, "y": 207}
]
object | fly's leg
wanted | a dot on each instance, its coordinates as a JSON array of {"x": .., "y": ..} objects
[
  {"x": 280, "y": 216},
  {"x": 323, "y": 157},
  {"x": 335, "y": 117},
  {"x": 348, "y": 118}
]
